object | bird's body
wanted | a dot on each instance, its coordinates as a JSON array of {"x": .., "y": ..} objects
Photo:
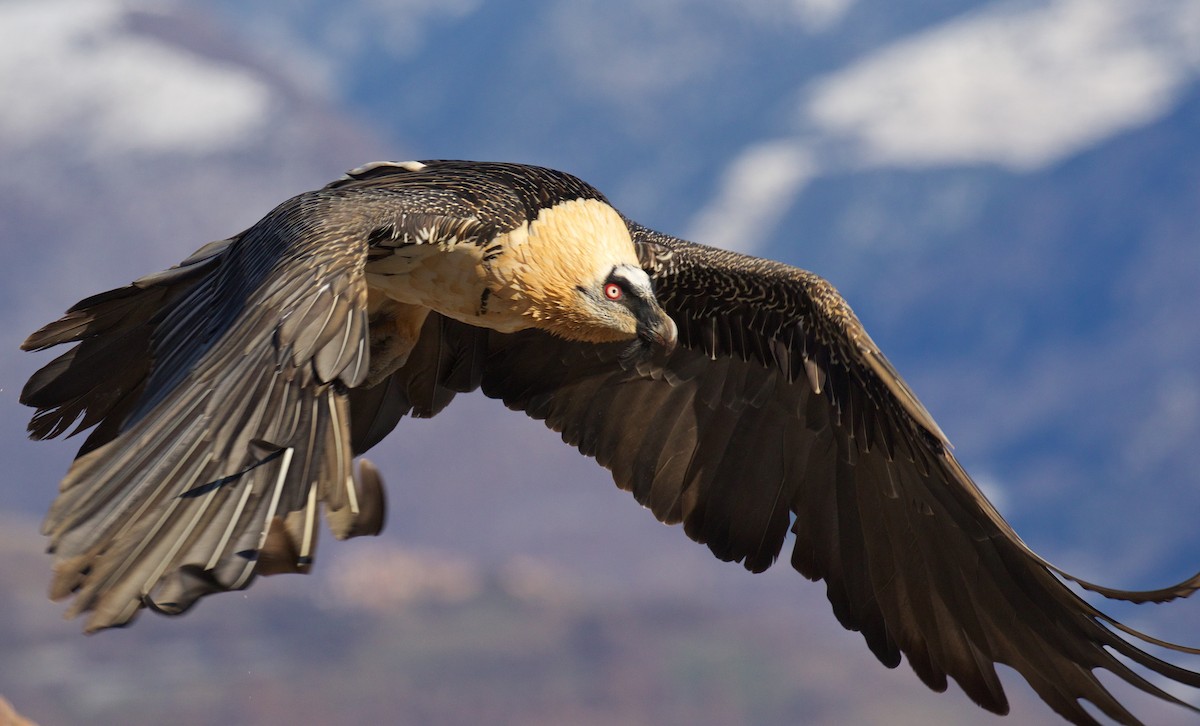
[
  {"x": 502, "y": 277},
  {"x": 230, "y": 394}
]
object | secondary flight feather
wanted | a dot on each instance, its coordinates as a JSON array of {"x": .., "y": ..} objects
[{"x": 739, "y": 397}]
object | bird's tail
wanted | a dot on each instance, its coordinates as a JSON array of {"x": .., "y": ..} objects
[{"x": 200, "y": 476}]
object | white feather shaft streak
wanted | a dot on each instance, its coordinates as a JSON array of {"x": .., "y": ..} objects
[
  {"x": 168, "y": 559},
  {"x": 149, "y": 537},
  {"x": 81, "y": 602},
  {"x": 352, "y": 495},
  {"x": 99, "y": 579},
  {"x": 73, "y": 507},
  {"x": 335, "y": 424},
  {"x": 339, "y": 361},
  {"x": 284, "y": 465},
  {"x": 172, "y": 476},
  {"x": 816, "y": 376},
  {"x": 323, "y": 327},
  {"x": 310, "y": 526},
  {"x": 233, "y": 522},
  {"x": 360, "y": 362},
  {"x": 240, "y": 437}
]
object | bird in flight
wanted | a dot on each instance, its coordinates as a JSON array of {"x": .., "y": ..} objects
[{"x": 229, "y": 395}]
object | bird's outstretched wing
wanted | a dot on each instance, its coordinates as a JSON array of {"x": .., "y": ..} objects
[
  {"x": 778, "y": 413},
  {"x": 227, "y": 403},
  {"x": 219, "y": 389},
  {"x": 219, "y": 392}
]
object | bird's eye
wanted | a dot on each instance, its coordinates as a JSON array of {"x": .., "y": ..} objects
[{"x": 613, "y": 291}]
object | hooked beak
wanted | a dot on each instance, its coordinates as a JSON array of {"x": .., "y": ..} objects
[{"x": 657, "y": 328}]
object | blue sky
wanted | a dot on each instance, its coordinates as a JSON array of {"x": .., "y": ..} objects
[{"x": 1001, "y": 189}]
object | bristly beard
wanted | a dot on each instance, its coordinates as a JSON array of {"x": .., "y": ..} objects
[{"x": 638, "y": 352}]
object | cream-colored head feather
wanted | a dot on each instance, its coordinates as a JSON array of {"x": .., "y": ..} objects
[{"x": 570, "y": 247}]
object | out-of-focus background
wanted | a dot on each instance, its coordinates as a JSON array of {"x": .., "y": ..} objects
[{"x": 1008, "y": 192}]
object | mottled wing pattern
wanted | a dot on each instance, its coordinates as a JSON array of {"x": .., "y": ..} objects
[
  {"x": 912, "y": 553},
  {"x": 230, "y": 431},
  {"x": 227, "y": 401},
  {"x": 501, "y": 193},
  {"x": 778, "y": 414},
  {"x": 219, "y": 390}
]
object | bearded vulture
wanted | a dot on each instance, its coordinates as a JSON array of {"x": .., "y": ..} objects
[{"x": 740, "y": 397}]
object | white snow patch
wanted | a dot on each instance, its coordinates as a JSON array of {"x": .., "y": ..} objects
[
  {"x": 1021, "y": 83},
  {"x": 755, "y": 192},
  {"x": 72, "y": 64}
]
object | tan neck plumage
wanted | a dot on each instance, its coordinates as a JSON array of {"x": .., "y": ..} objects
[
  {"x": 569, "y": 245},
  {"x": 528, "y": 277}
]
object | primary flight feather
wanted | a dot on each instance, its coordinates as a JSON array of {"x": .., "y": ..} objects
[{"x": 736, "y": 396}]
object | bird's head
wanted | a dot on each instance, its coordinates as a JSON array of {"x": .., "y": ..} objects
[
  {"x": 583, "y": 280},
  {"x": 623, "y": 306}
]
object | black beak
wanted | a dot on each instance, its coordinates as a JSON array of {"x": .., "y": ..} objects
[
  {"x": 656, "y": 332},
  {"x": 657, "y": 328}
]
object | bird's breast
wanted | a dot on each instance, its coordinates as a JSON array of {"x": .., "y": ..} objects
[{"x": 461, "y": 281}]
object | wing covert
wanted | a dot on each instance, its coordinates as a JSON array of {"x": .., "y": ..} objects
[
  {"x": 220, "y": 394},
  {"x": 778, "y": 414},
  {"x": 230, "y": 394}
]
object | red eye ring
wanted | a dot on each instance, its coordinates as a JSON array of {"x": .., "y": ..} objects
[{"x": 613, "y": 291}]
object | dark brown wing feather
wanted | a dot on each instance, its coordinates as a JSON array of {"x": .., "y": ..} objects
[
  {"x": 448, "y": 360},
  {"x": 777, "y": 413},
  {"x": 220, "y": 389},
  {"x": 100, "y": 379},
  {"x": 220, "y": 394},
  {"x": 232, "y": 404}
]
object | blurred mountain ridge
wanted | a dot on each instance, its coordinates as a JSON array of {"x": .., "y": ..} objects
[{"x": 1044, "y": 309}]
